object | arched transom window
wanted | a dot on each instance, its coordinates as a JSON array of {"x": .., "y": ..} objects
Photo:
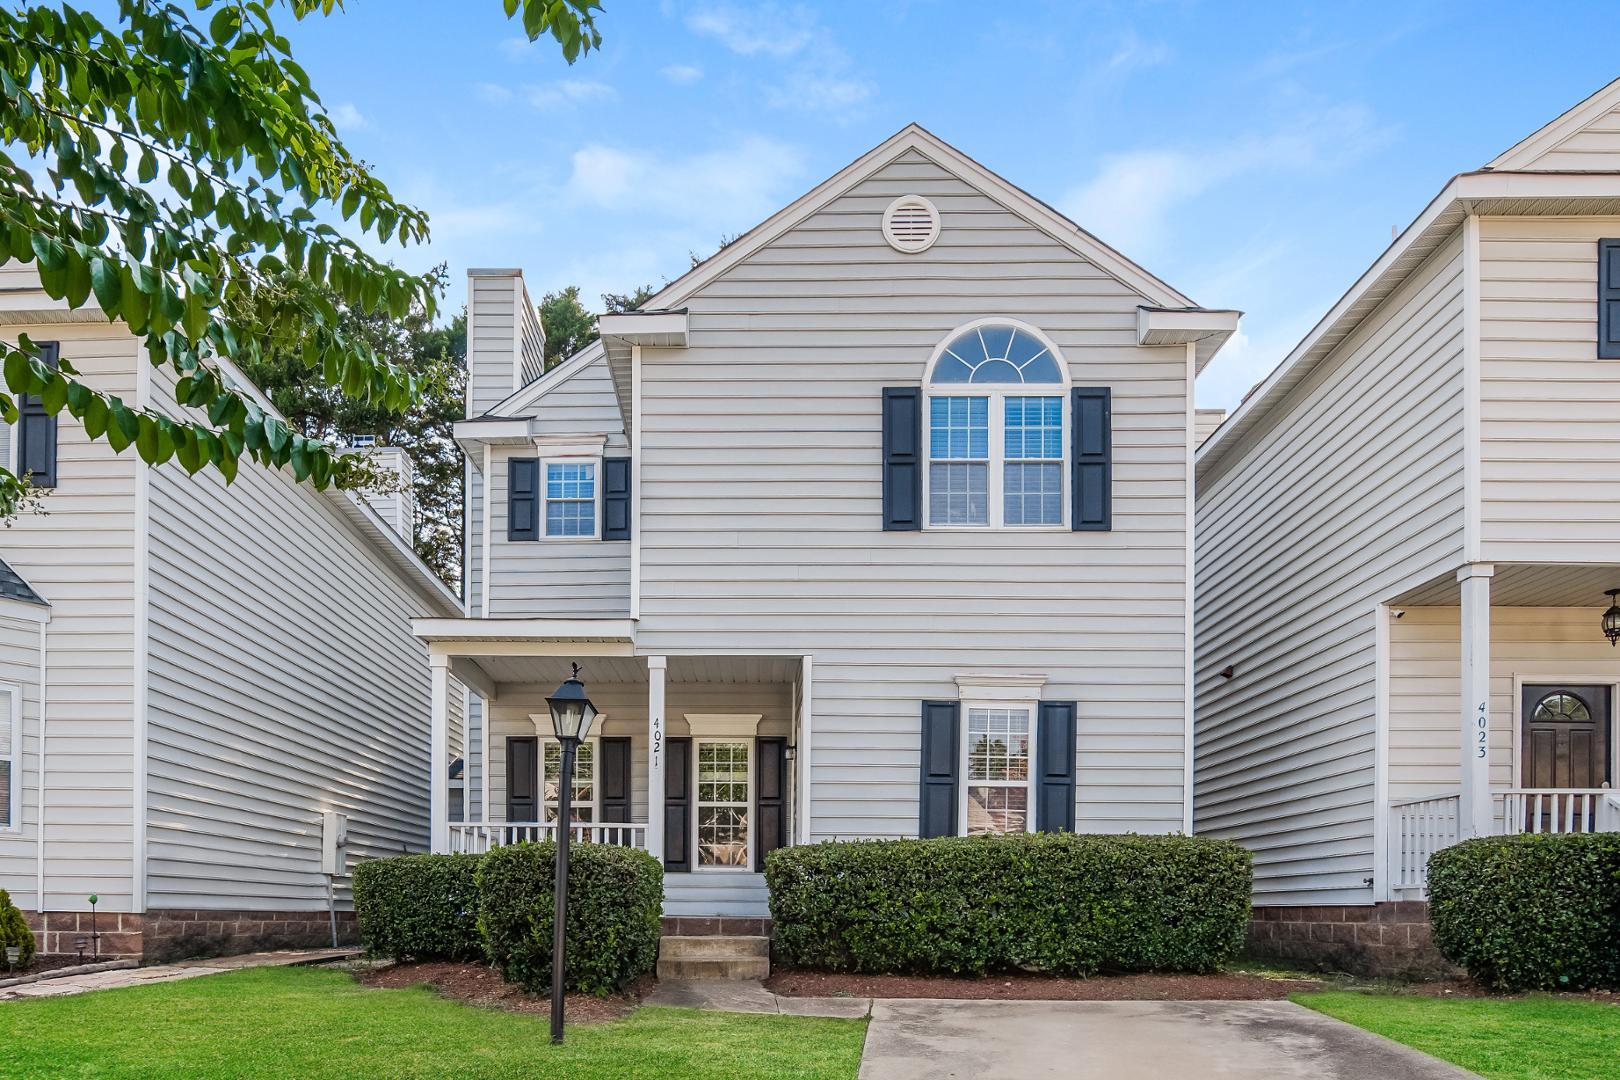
[{"x": 997, "y": 429}]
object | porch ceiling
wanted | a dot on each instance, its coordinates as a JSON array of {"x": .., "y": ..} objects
[
  {"x": 1525, "y": 585},
  {"x": 632, "y": 670}
]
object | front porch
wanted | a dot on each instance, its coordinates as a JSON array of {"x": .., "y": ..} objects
[
  {"x": 1498, "y": 691},
  {"x": 694, "y": 759}
]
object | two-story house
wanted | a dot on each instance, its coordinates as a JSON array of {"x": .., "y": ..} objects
[
  {"x": 1408, "y": 540},
  {"x": 875, "y": 524},
  {"x": 203, "y": 688}
]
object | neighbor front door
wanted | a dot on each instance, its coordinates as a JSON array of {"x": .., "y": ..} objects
[{"x": 1564, "y": 740}]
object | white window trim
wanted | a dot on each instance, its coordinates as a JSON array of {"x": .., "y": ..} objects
[
  {"x": 11, "y": 711},
  {"x": 595, "y": 802},
  {"x": 596, "y": 487},
  {"x": 997, "y": 393},
  {"x": 998, "y": 692},
  {"x": 753, "y": 815}
]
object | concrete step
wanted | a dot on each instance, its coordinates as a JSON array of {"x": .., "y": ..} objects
[
  {"x": 713, "y": 947},
  {"x": 742, "y": 967}
]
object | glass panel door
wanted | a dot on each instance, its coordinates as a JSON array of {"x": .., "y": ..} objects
[{"x": 723, "y": 800}]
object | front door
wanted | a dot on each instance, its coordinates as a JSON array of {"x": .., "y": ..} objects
[
  {"x": 522, "y": 779},
  {"x": 1564, "y": 743}
]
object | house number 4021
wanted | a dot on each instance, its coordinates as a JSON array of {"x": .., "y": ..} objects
[{"x": 1482, "y": 721}]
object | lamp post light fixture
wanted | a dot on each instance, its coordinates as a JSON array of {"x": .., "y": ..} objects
[
  {"x": 13, "y": 957},
  {"x": 1611, "y": 618},
  {"x": 571, "y": 716}
]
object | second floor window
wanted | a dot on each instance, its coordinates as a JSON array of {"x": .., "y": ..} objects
[
  {"x": 997, "y": 429},
  {"x": 570, "y": 488}
]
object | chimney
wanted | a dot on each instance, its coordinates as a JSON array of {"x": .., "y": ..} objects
[
  {"x": 397, "y": 508},
  {"x": 505, "y": 344}
]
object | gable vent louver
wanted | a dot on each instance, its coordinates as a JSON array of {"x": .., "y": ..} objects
[{"x": 911, "y": 224}]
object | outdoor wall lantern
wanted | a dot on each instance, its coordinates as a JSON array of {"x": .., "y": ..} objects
[
  {"x": 1611, "y": 618},
  {"x": 571, "y": 716}
]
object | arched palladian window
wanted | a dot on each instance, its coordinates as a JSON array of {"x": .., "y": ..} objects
[{"x": 997, "y": 429}]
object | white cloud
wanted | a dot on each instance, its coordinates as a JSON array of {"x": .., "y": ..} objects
[
  {"x": 682, "y": 74},
  {"x": 731, "y": 187},
  {"x": 1131, "y": 200},
  {"x": 347, "y": 117},
  {"x": 1132, "y": 54},
  {"x": 769, "y": 28},
  {"x": 569, "y": 92},
  {"x": 493, "y": 93}
]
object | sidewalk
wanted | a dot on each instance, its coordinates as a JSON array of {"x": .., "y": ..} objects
[{"x": 184, "y": 969}]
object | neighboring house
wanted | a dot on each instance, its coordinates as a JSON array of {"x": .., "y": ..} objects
[
  {"x": 875, "y": 524},
  {"x": 192, "y": 675},
  {"x": 1405, "y": 536}
]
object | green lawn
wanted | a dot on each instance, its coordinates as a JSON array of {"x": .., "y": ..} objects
[
  {"x": 312, "y": 1023},
  {"x": 1538, "y": 1037}
]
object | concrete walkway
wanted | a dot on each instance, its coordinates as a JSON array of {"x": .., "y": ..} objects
[
  {"x": 1129, "y": 1040},
  {"x": 185, "y": 969},
  {"x": 747, "y": 996}
]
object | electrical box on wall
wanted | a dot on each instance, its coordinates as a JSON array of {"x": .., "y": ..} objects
[{"x": 334, "y": 843}]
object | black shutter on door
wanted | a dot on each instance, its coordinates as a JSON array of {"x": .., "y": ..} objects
[
  {"x": 523, "y": 779},
  {"x": 678, "y": 804},
  {"x": 1092, "y": 484},
  {"x": 936, "y": 811},
  {"x": 616, "y": 498},
  {"x": 1054, "y": 758},
  {"x": 523, "y": 498},
  {"x": 1608, "y": 300},
  {"x": 902, "y": 458},
  {"x": 614, "y": 776},
  {"x": 771, "y": 797},
  {"x": 36, "y": 430}
]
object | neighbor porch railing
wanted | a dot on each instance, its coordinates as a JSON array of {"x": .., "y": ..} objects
[
  {"x": 1420, "y": 827},
  {"x": 475, "y": 838}
]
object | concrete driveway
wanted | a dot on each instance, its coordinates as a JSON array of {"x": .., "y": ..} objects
[{"x": 1129, "y": 1040}]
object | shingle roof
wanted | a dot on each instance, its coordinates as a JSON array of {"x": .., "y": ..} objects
[{"x": 13, "y": 587}]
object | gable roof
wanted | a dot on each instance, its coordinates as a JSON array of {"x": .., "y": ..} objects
[
  {"x": 915, "y": 138},
  {"x": 1531, "y": 150},
  {"x": 13, "y": 587}
]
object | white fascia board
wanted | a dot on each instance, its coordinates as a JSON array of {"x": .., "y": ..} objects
[
  {"x": 1207, "y": 328},
  {"x": 1567, "y": 123},
  {"x": 659, "y": 329},
  {"x": 473, "y": 435},
  {"x": 471, "y": 631}
]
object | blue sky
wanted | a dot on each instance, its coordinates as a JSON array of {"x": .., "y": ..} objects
[{"x": 1255, "y": 156}]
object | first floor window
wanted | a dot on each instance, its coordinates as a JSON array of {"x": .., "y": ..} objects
[
  {"x": 998, "y": 770},
  {"x": 723, "y": 802},
  {"x": 583, "y": 808},
  {"x": 570, "y": 498}
]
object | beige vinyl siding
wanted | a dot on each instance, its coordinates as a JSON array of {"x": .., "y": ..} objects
[
  {"x": 473, "y": 576},
  {"x": 284, "y": 682},
  {"x": 582, "y": 404},
  {"x": 1354, "y": 491},
  {"x": 1527, "y": 645},
  {"x": 493, "y": 340},
  {"x": 1550, "y": 408},
  {"x": 624, "y": 714},
  {"x": 1595, "y": 147},
  {"x": 19, "y": 674},
  {"x": 761, "y": 517},
  {"x": 531, "y": 339},
  {"x": 80, "y": 555}
]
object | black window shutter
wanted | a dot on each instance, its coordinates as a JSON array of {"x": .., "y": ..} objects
[
  {"x": 1608, "y": 323},
  {"x": 36, "y": 430},
  {"x": 523, "y": 779},
  {"x": 1092, "y": 482},
  {"x": 614, "y": 776},
  {"x": 523, "y": 498},
  {"x": 941, "y": 751},
  {"x": 678, "y": 804},
  {"x": 771, "y": 796},
  {"x": 1054, "y": 758},
  {"x": 902, "y": 458},
  {"x": 616, "y": 498}
]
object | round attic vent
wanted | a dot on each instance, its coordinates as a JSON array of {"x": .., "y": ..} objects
[{"x": 911, "y": 224}]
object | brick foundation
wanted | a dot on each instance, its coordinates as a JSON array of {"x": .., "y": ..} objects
[
  {"x": 1377, "y": 939},
  {"x": 179, "y": 934},
  {"x": 692, "y": 926}
]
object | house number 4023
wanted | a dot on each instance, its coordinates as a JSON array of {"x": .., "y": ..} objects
[{"x": 1482, "y": 721}]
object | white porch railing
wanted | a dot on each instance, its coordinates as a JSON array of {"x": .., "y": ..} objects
[
  {"x": 478, "y": 837},
  {"x": 1420, "y": 827}
]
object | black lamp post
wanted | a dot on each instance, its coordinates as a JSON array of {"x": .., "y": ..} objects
[
  {"x": 571, "y": 716},
  {"x": 1611, "y": 618}
]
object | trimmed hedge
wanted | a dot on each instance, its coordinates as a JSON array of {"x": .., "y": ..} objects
[
  {"x": 1062, "y": 903},
  {"x": 1531, "y": 912},
  {"x": 14, "y": 931},
  {"x": 419, "y": 907},
  {"x": 615, "y": 906}
]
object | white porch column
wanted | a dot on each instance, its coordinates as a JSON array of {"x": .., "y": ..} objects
[
  {"x": 439, "y": 757},
  {"x": 656, "y": 666},
  {"x": 1474, "y": 812},
  {"x": 806, "y": 706}
]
